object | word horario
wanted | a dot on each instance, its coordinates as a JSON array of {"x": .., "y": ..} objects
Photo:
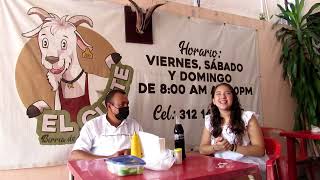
[{"x": 186, "y": 49}]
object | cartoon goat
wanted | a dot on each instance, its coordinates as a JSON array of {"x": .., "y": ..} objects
[{"x": 58, "y": 39}]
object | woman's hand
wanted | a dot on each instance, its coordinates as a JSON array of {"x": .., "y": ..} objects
[
  {"x": 207, "y": 148},
  {"x": 222, "y": 144}
]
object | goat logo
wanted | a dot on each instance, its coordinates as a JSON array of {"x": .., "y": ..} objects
[{"x": 68, "y": 77}]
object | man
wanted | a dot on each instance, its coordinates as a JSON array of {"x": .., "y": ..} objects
[{"x": 107, "y": 135}]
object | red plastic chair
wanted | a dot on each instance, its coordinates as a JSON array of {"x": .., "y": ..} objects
[
  {"x": 273, "y": 150},
  {"x": 275, "y": 133},
  {"x": 301, "y": 156}
]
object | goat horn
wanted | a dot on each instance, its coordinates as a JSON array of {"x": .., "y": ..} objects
[
  {"x": 79, "y": 19},
  {"x": 139, "y": 16},
  {"x": 43, "y": 14},
  {"x": 149, "y": 15},
  {"x": 136, "y": 7}
]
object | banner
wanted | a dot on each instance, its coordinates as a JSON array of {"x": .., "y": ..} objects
[{"x": 59, "y": 64}]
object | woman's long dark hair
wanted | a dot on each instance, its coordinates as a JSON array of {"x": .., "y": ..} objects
[{"x": 236, "y": 123}]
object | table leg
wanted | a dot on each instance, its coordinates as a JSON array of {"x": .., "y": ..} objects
[{"x": 291, "y": 152}]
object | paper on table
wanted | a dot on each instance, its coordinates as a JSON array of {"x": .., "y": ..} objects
[
  {"x": 151, "y": 144},
  {"x": 228, "y": 155},
  {"x": 155, "y": 154}
]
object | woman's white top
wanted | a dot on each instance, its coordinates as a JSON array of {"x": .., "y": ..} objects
[{"x": 231, "y": 137}]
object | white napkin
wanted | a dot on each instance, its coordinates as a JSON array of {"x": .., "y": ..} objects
[
  {"x": 151, "y": 144},
  {"x": 315, "y": 129},
  {"x": 228, "y": 155},
  {"x": 155, "y": 154}
]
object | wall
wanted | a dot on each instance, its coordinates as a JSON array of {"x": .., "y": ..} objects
[
  {"x": 273, "y": 9},
  {"x": 46, "y": 173},
  {"x": 278, "y": 106},
  {"x": 248, "y": 8}
]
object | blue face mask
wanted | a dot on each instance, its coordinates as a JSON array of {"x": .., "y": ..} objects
[{"x": 123, "y": 113}]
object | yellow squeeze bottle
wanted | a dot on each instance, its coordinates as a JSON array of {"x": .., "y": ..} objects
[{"x": 136, "y": 146}]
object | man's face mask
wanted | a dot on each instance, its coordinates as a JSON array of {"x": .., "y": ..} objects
[{"x": 123, "y": 113}]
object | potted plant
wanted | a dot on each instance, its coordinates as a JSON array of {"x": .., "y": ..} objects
[{"x": 300, "y": 60}]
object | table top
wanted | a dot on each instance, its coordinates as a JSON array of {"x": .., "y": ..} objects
[
  {"x": 301, "y": 134},
  {"x": 194, "y": 166}
]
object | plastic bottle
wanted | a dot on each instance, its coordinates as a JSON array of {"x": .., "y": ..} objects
[
  {"x": 178, "y": 155},
  {"x": 179, "y": 137},
  {"x": 136, "y": 146}
]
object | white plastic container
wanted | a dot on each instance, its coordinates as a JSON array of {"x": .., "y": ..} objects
[{"x": 125, "y": 165}]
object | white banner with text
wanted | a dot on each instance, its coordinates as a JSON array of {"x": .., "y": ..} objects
[{"x": 59, "y": 64}]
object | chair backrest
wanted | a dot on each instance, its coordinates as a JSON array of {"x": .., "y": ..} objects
[
  {"x": 273, "y": 150},
  {"x": 271, "y": 132},
  {"x": 272, "y": 146}
]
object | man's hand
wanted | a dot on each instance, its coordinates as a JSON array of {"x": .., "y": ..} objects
[
  {"x": 222, "y": 144},
  {"x": 121, "y": 153}
]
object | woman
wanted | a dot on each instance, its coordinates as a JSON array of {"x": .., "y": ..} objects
[{"x": 230, "y": 132}]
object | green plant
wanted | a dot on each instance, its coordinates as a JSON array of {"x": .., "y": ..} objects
[{"x": 300, "y": 61}]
